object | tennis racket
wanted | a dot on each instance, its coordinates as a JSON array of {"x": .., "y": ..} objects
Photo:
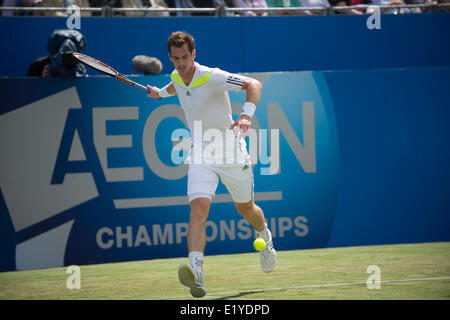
[{"x": 105, "y": 69}]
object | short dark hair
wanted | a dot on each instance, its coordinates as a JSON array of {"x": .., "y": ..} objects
[{"x": 180, "y": 38}]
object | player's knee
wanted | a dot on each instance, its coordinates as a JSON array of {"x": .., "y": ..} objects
[
  {"x": 199, "y": 209},
  {"x": 245, "y": 209}
]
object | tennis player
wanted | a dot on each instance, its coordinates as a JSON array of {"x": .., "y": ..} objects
[{"x": 203, "y": 95}]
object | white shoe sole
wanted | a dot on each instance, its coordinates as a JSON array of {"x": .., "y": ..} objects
[{"x": 187, "y": 278}]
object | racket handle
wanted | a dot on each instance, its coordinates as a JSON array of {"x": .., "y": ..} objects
[{"x": 142, "y": 88}]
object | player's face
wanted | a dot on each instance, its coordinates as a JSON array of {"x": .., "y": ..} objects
[{"x": 182, "y": 59}]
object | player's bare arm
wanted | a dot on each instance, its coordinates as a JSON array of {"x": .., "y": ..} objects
[
  {"x": 253, "y": 92},
  {"x": 253, "y": 88},
  {"x": 155, "y": 92}
]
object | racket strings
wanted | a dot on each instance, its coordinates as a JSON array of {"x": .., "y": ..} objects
[{"x": 95, "y": 64}]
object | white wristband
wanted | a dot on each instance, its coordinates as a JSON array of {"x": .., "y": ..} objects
[
  {"x": 248, "y": 109},
  {"x": 163, "y": 93}
]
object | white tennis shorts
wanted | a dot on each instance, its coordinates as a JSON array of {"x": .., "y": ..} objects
[{"x": 204, "y": 178}]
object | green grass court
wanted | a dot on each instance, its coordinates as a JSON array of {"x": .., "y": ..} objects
[{"x": 408, "y": 271}]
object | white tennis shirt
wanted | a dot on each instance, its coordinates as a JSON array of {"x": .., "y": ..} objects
[{"x": 207, "y": 108}]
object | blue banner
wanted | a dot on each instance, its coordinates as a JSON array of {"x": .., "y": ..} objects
[
  {"x": 243, "y": 44},
  {"x": 88, "y": 175},
  {"x": 341, "y": 158}
]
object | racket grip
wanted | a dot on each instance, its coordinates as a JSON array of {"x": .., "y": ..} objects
[{"x": 142, "y": 88}]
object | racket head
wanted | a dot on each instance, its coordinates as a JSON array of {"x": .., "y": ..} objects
[
  {"x": 105, "y": 69},
  {"x": 95, "y": 64}
]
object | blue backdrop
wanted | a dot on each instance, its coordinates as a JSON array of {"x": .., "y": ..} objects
[
  {"x": 395, "y": 168},
  {"x": 247, "y": 44},
  {"x": 85, "y": 169}
]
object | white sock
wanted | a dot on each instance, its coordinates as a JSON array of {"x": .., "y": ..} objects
[
  {"x": 265, "y": 234},
  {"x": 196, "y": 258}
]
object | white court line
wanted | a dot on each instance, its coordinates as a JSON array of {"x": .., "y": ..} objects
[{"x": 303, "y": 287}]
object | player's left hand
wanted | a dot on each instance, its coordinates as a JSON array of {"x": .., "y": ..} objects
[{"x": 242, "y": 125}]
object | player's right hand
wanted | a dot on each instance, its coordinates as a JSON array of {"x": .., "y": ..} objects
[{"x": 153, "y": 92}]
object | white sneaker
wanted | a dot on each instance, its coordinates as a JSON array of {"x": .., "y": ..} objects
[
  {"x": 268, "y": 256},
  {"x": 192, "y": 279}
]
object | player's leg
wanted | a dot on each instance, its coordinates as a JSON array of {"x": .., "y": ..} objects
[
  {"x": 202, "y": 184},
  {"x": 239, "y": 183},
  {"x": 196, "y": 237},
  {"x": 192, "y": 275},
  {"x": 255, "y": 216},
  {"x": 252, "y": 213}
]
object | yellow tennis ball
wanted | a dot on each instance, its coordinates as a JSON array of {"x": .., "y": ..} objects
[{"x": 259, "y": 244}]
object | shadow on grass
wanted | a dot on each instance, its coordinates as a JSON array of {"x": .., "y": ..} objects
[{"x": 239, "y": 295}]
